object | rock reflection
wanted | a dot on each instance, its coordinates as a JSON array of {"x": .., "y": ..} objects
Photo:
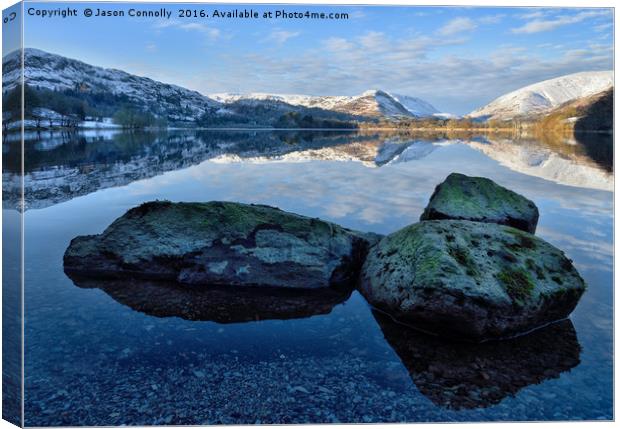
[
  {"x": 217, "y": 304},
  {"x": 464, "y": 375}
]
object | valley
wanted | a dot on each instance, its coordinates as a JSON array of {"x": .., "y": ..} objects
[{"x": 64, "y": 93}]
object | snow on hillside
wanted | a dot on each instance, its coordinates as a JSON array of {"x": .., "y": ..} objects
[
  {"x": 416, "y": 106},
  {"x": 369, "y": 103},
  {"x": 44, "y": 70},
  {"x": 544, "y": 96},
  {"x": 55, "y": 72}
]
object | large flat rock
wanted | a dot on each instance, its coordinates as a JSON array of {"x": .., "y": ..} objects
[{"x": 221, "y": 243}]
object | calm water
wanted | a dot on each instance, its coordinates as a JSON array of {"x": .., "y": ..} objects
[{"x": 97, "y": 354}]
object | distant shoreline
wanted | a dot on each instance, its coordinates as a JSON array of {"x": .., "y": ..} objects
[{"x": 362, "y": 129}]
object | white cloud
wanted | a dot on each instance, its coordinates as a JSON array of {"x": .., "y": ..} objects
[
  {"x": 539, "y": 24},
  {"x": 280, "y": 37},
  {"x": 603, "y": 27},
  {"x": 212, "y": 33},
  {"x": 457, "y": 25},
  {"x": 338, "y": 44},
  {"x": 373, "y": 40},
  {"x": 151, "y": 47},
  {"x": 413, "y": 65},
  {"x": 491, "y": 19},
  {"x": 533, "y": 15}
]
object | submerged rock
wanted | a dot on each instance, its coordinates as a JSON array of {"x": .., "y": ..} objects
[
  {"x": 470, "y": 279},
  {"x": 220, "y": 304},
  {"x": 459, "y": 375},
  {"x": 221, "y": 243},
  {"x": 480, "y": 199}
]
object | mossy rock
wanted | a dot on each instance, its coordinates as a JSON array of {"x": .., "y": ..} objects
[
  {"x": 480, "y": 199},
  {"x": 222, "y": 243},
  {"x": 470, "y": 280}
]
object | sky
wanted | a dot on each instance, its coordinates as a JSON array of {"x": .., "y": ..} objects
[{"x": 456, "y": 58}]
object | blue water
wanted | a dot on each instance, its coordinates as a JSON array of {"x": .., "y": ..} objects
[{"x": 92, "y": 359}]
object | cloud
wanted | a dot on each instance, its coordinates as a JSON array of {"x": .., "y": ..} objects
[
  {"x": 151, "y": 47},
  {"x": 533, "y": 15},
  {"x": 212, "y": 33},
  {"x": 457, "y": 25},
  {"x": 491, "y": 19},
  {"x": 403, "y": 66},
  {"x": 538, "y": 24},
  {"x": 280, "y": 37},
  {"x": 338, "y": 44},
  {"x": 373, "y": 40},
  {"x": 414, "y": 64},
  {"x": 603, "y": 27}
]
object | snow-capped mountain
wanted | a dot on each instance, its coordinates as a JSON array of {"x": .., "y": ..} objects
[
  {"x": 372, "y": 103},
  {"x": 108, "y": 90},
  {"x": 416, "y": 106},
  {"x": 58, "y": 73},
  {"x": 543, "y": 96}
]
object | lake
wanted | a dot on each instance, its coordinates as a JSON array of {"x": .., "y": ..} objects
[{"x": 97, "y": 355}]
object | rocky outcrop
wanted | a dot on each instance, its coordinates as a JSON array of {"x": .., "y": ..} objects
[
  {"x": 472, "y": 277},
  {"x": 480, "y": 199},
  {"x": 221, "y": 243},
  {"x": 221, "y": 304},
  {"x": 461, "y": 375},
  {"x": 470, "y": 280}
]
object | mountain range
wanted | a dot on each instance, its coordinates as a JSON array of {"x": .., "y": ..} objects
[
  {"x": 371, "y": 103},
  {"x": 59, "y": 87},
  {"x": 67, "y": 84}
]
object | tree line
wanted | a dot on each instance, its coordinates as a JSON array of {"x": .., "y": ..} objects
[{"x": 71, "y": 106}]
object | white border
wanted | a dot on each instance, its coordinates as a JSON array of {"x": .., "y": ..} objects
[{"x": 483, "y": 3}]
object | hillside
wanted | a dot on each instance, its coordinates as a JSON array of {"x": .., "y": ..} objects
[
  {"x": 63, "y": 92},
  {"x": 61, "y": 84},
  {"x": 593, "y": 113},
  {"x": 542, "y": 97}
]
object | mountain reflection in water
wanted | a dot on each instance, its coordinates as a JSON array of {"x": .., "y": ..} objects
[
  {"x": 60, "y": 166},
  {"x": 149, "y": 354}
]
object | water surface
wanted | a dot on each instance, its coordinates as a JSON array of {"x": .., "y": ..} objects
[{"x": 107, "y": 354}]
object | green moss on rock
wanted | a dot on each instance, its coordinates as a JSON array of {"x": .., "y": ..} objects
[
  {"x": 223, "y": 243},
  {"x": 440, "y": 282},
  {"x": 518, "y": 284},
  {"x": 462, "y": 256},
  {"x": 534, "y": 267},
  {"x": 480, "y": 199}
]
